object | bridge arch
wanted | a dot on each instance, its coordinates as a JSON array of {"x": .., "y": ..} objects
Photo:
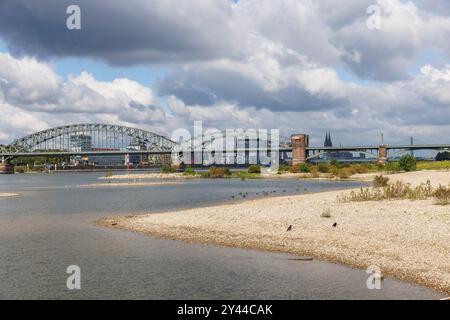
[{"x": 151, "y": 140}]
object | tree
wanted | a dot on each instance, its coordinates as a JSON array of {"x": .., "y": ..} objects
[
  {"x": 443, "y": 156},
  {"x": 407, "y": 163}
]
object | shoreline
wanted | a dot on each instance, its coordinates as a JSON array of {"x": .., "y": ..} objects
[
  {"x": 130, "y": 184},
  {"x": 408, "y": 240},
  {"x": 9, "y": 195}
]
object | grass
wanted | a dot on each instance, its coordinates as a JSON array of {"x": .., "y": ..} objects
[
  {"x": 246, "y": 175},
  {"x": 168, "y": 169},
  {"x": 442, "y": 195},
  {"x": 326, "y": 213},
  {"x": 398, "y": 191},
  {"x": 380, "y": 181},
  {"x": 433, "y": 165},
  {"x": 328, "y": 170}
]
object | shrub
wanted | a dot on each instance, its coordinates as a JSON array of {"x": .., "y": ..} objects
[
  {"x": 335, "y": 163},
  {"x": 219, "y": 172},
  {"x": 334, "y": 171},
  {"x": 326, "y": 213},
  {"x": 359, "y": 168},
  {"x": 168, "y": 169},
  {"x": 407, "y": 163},
  {"x": 314, "y": 172},
  {"x": 304, "y": 168},
  {"x": 392, "y": 167},
  {"x": 189, "y": 172},
  {"x": 19, "y": 170},
  {"x": 323, "y": 168},
  {"x": 344, "y": 173},
  {"x": 254, "y": 168},
  {"x": 397, "y": 190},
  {"x": 442, "y": 195},
  {"x": 205, "y": 175},
  {"x": 380, "y": 181},
  {"x": 284, "y": 168},
  {"x": 443, "y": 156}
]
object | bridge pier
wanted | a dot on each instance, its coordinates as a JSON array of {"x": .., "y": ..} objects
[
  {"x": 6, "y": 167},
  {"x": 382, "y": 154},
  {"x": 299, "y": 144}
]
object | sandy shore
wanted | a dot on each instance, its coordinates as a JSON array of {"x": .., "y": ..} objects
[
  {"x": 137, "y": 176},
  {"x": 7, "y": 195},
  {"x": 409, "y": 240},
  {"x": 129, "y": 184}
]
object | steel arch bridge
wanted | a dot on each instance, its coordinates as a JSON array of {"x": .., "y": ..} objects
[
  {"x": 229, "y": 143},
  {"x": 206, "y": 141},
  {"x": 101, "y": 136}
]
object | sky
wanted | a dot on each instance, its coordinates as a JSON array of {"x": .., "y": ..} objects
[{"x": 301, "y": 66}]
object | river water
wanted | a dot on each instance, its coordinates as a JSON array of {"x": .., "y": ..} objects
[{"x": 49, "y": 227}]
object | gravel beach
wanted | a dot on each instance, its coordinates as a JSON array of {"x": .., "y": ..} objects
[
  {"x": 409, "y": 240},
  {"x": 7, "y": 195}
]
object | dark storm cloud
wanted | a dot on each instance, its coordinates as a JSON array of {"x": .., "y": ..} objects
[
  {"x": 121, "y": 32},
  {"x": 209, "y": 86}
]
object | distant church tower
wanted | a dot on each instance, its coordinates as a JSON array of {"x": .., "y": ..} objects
[{"x": 328, "y": 142}]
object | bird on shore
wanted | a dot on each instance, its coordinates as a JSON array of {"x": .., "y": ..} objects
[
  {"x": 335, "y": 224},
  {"x": 289, "y": 228}
]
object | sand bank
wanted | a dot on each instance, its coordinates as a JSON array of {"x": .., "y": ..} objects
[
  {"x": 137, "y": 176},
  {"x": 409, "y": 240},
  {"x": 7, "y": 195},
  {"x": 130, "y": 184}
]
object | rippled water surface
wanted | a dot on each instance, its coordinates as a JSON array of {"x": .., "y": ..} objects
[{"x": 49, "y": 227}]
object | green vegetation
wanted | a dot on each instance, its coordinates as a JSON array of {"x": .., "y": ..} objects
[
  {"x": 254, "y": 168},
  {"x": 443, "y": 156},
  {"x": 284, "y": 168},
  {"x": 380, "y": 182},
  {"x": 396, "y": 191},
  {"x": 383, "y": 190},
  {"x": 407, "y": 163},
  {"x": 391, "y": 167},
  {"x": 189, "y": 171},
  {"x": 246, "y": 175},
  {"x": 433, "y": 165},
  {"x": 219, "y": 172},
  {"x": 442, "y": 195},
  {"x": 168, "y": 169},
  {"x": 323, "y": 167},
  {"x": 304, "y": 168}
]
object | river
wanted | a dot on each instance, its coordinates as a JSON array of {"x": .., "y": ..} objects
[{"x": 49, "y": 227}]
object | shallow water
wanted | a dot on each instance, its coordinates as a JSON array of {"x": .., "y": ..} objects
[{"x": 50, "y": 227}]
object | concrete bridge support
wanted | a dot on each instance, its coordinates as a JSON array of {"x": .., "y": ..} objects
[
  {"x": 6, "y": 167},
  {"x": 299, "y": 144},
  {"x": 382, "y": 154}
]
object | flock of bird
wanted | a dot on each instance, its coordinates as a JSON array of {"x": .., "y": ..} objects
[{"x": 268, "y": 193}]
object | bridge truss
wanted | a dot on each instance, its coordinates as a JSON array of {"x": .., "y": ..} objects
[{"x": 81, "y": 137}]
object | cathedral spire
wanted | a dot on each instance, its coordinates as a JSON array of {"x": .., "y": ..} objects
[{"x": 328, "y": 142}]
